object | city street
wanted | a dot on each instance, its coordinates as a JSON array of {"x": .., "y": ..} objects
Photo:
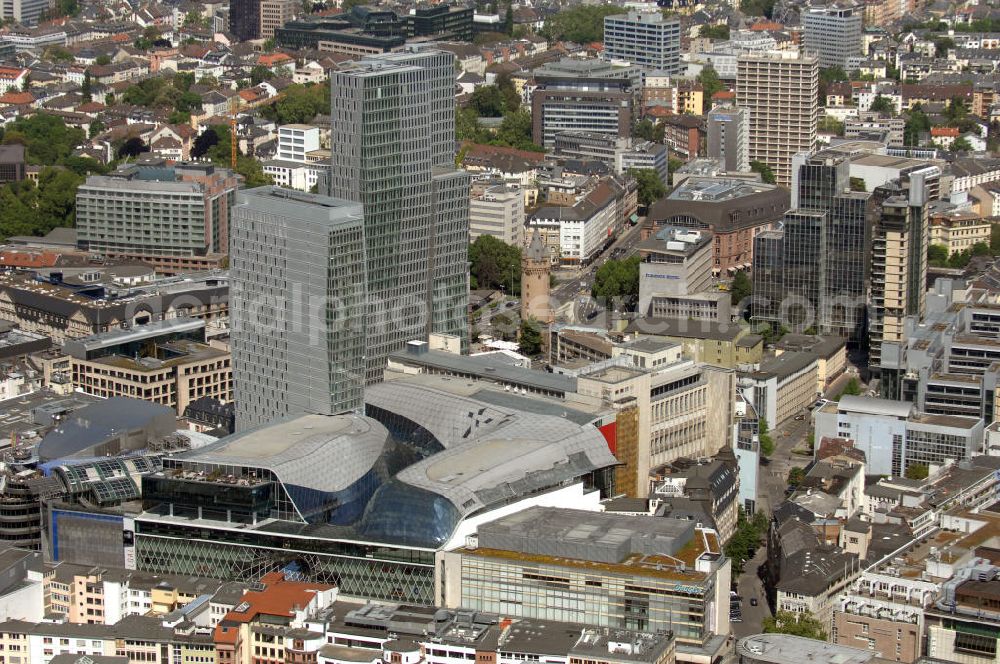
[
  {"x": 750, "y": 586},
  {"x": 580, "y": 281}
]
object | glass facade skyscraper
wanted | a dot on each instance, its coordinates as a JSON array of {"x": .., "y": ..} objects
[
  {"x": 298, "y": 305},
  {"x": 825, "y": 245},
  {"x": 392, "y": 146}
]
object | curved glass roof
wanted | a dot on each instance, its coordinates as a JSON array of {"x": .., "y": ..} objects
[
  {"x": 317, "y": 452},
  {"x": 491, "y": 455}
]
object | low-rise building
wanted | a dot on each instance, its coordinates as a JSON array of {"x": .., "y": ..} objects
[
  {"x": 785, "y": 385},
  {"x": 734, "y": 210},
  {"x": 169, "y": 362},
  {"x": 644, "y": 573},
  {"x": 958, "y": 230},
  {"x": 895, "y": 435},
  {"x": 497, "y": 210}
]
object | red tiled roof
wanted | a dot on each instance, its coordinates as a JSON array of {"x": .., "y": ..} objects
[
  {"x": 11, "y": 73},
  {"x": 13, "y": 98},
  {"x": 29, "y": 259},
  {"x": 945, "y": 131},
  {"x": 271, "y": 59},
  {"x": 724, "y": 94}
]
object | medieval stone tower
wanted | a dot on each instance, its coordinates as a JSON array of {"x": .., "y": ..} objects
[{"x": 535, "y": 270}]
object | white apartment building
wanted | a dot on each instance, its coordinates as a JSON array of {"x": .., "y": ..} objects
[
  {"x": 780, "y": 89},
  {"x": 497, "y": 211},
  {"x": 296, "y": 140}
]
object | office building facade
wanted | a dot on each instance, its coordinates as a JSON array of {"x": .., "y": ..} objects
[
  {"x": 780, "y": 90},
  {"x": 25, "y": 12},
  {"x": 498, "y": 211},
  {"x": 274, "y": 14},
  {"x": 646, "y": 39},
  {"x": 895, "y": 435},
  {"x": 833, "y": 32},
  {"x": 155, "y": 211},
  {"x": 244, "y": 19},
  {"x": 298, "y": 291},
  {"x": 825, "y": 245},
  {"x": 392, "y": 150},
  {"x": 899, "y": 259},
  {"x": 729, "y": 138},
  {"x": 582, "y": 96}
]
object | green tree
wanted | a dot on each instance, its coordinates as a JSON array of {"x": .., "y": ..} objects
[
  {"x": 710, "y": 84},
  {"x": 764, "y": 437},
  {"x": 530, "y": 338},
  {"x": 757, "y": 7},
  {"x": 831, "y": 124},
  {"x": 259, "y": 74},
  {"x": 86, "y": 88},
  {"x": 959, "y": 259},
  {"x": 494, "y": 264},
  {"x": 508, "y": 20},
  {"x": 942, "y": 44},
  {"x": 96, "y": 127},
  {"x": 102, "y": 60},
  {"x": 766, "y": 174},
  {"x": 995, "y": 239},
  {"x": 217, "y": 149},
  {"x": 858, "y": 184},
  {"x": 582, "y": 24},
  {"x": 796, "y": 476},
  {"x": 651, "y": 187},
  {"x": 797, "y": 624},
  {"x": 955, "y": 111},
  {"x": 47, "y": 139},
  {"x": 853, "y": 388},
  {"x": 131, "y": 148},
  {"x": 511, "y": 99},
  {"x": 745, "y": 539},
  {"x": 882, "y": 105},
  {"x": 348, "y": 5},
  {"x": 917, "y": 123},
  {"x": 937, "y": 255},
  {"x": 643, "y": 129},
  {"x": 617, "y": 283},
  {"x": 961, "y": 144},
  {"x": 26, "y": 83},
  {"x": 488, "y": 101},
  {"x": 717, "y": 31},
  {"x": 741, "y": 287},
  {"x": 832, "y": 74},
  {"x": 917, "y": 471},
  {"x": 300, "y": 104},
  {"x": 515, "y": 132},
  {"x": 467, "y": 126}
]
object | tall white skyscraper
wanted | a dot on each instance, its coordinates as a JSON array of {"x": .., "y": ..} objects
[{"x": 780, "y": 89}]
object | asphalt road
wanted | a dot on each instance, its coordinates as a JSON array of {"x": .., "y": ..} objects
[{"x": 580, "y": 280}]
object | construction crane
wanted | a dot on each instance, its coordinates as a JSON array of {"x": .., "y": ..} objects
[{"x": 233, "y": 106}]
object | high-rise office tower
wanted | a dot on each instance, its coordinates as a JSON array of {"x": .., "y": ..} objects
[
  {"x": 646, "y": 39},
  {"x": 26, "y": 12},
  {"x": 899, "y": 258},
  {"x": 825, "y": 247},
  {"x": 298, "y": 282},
  {"x": 274, "y": 14},
  {"x": 728, "y": 137},
  {"x": 392, "y": 146},
  {"x": 780, "y": 89},
  {"x": 833, "y": 32},
  {"x": 244, "y": 19}
]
